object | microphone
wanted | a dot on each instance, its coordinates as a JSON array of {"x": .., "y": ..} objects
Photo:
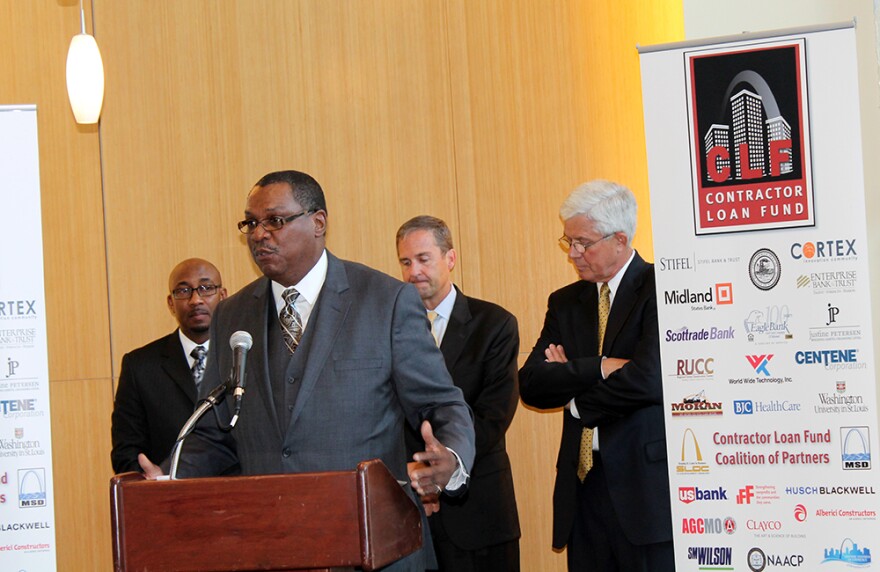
[{"x": 240, "y": 342}]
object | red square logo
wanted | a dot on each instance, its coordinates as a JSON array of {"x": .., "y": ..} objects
[{"x": 724, "y": 293}]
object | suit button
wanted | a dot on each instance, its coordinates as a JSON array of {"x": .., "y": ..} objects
[
  {"x": 290, "y": 380},
  {"x": 290, "y": 407},
  {"x": 285, "y": 452}
]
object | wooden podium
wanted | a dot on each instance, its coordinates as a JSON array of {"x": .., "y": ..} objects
[{"x": 307, "y": 521}]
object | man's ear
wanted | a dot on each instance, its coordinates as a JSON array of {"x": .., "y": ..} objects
[
  {"x": 451, "y": 258},
  {"x": 319, "y": 219}
]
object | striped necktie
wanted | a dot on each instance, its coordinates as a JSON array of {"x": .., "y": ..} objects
[
  {"x": 291, "y": 321},
  {"x": 198, "y": 367}
]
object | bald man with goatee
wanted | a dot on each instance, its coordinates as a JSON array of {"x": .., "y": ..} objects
[{"x": 158, "y": 384}]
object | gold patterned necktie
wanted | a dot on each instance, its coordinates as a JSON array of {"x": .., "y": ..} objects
[
  {"x": 432, "y": 316},
  {"x": 291, "y": 321},
  {"x": 585, "y": 458}
]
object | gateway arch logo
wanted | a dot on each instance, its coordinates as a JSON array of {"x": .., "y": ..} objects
[
  {"x": 750, "y": 146},
  {"x": 31, "y": 488},
  {"x": 855, "y": 448},
  {"x": 691, "y": 462}
]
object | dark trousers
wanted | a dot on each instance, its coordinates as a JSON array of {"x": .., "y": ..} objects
[
  {"x": 597, "y": 542},
  {"x": 502, "y": 557}
]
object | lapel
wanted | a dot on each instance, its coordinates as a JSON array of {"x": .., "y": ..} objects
[
  {"x": 457, "y": 331},
  {"x": 175, "y": 364},
  {"x": 325, "y": 322},
  {"x": 624, "y": 300},
  {"x": 585, "y": 322},
  {"x": 258, "y": 325}
]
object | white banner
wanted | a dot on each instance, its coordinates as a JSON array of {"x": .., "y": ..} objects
[
  {"x": 27, "y": 517},
  {"x": 757, "y": 201}
]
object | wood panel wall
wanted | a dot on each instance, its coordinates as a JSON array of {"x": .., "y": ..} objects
[
  {"x": 33, "y": 53},
  {"x": 483, "y": 113}
]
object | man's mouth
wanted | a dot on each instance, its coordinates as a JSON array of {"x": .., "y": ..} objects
[{"x": 263, "y": 252}]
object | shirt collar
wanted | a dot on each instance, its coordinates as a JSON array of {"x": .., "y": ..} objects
[
  {"x": 615, "y": 280},
  {"x": 309, "y": 287},
  {"x": 189, "y": 345},
  {"x": 444, "y": 308}
]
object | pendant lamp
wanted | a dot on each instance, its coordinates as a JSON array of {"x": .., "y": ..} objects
[{"x": 85, "y": 76}]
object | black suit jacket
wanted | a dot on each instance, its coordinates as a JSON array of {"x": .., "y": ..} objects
[
  {"x": 627, "y": 407},
  {"x": 155, "y": 397},
  {"x": 480, "y": 348}
]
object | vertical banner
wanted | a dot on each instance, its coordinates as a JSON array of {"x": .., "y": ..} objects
[
  {"x": 757, "y": 202},
  {"x": 27, "y": 513}
]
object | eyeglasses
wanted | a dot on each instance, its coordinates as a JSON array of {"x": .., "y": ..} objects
[
  {"x": 186, "y": 292},
  {"x": 580, "y": 247},
  {"x": 249, "y": 225}
]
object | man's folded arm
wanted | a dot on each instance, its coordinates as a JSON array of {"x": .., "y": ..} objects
[{"x": 638, "y": 384}]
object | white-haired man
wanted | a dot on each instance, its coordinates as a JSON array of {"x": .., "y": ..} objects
[{"x": 598, "y": 356}]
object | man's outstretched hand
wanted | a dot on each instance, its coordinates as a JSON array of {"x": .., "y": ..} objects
[
  {"x": 435, "y": 465},
  {"x": 431, "y": 502}
]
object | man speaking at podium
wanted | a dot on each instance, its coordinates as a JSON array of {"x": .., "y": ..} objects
[{"x": 342, "y": 357}]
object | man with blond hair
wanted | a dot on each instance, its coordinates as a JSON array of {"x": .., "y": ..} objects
[{"x": 478, "y": 531}]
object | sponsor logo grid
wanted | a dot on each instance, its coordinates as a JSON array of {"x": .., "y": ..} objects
[
  {"x": 767, "y": 361},
  {"x": 27, "y": 520}
]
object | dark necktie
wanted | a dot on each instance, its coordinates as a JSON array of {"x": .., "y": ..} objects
[
  {"x": 198, "y": 367},
  {"x": 585, "y": 458},
  {"x": 291, "y": 321}
]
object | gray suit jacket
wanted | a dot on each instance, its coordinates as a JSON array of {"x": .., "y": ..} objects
[{"x": 371, "y": 366}]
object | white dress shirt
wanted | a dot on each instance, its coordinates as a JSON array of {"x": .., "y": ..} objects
[
  {"x": 189, "y": 346},
  {"x": 444, "y": 311}
]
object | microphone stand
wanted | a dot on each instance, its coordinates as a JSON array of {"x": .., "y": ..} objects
[{"x": 216, "y": 397}]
